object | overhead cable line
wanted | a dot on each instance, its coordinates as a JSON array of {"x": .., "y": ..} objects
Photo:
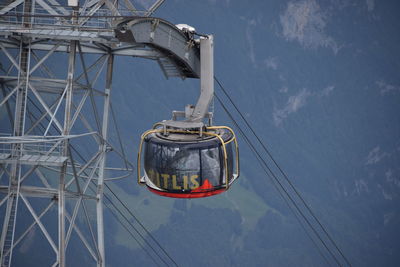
[
  {"x": 131, "y": 234},
  {"x": 134, "y": 228},
  {"x": 275, "y": 183},
  {"x": 282, "y": 172},
  {"x": 276, "y": 164},
  {"x": 130, "y": 212},
  {"x": 141, "y": 224},
  {"x": 137, "y": 231},
  {"x": 118, "y": 134}
]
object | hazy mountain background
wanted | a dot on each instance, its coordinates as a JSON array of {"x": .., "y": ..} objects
[{"x": 319, "y": 82}]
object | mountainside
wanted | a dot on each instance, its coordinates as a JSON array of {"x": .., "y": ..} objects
[{"x": 318, "y": 81}]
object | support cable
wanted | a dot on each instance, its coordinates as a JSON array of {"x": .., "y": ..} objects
[
  {"x": 275, "y": 183},
  {"x": 131, "y": 213},
  {"x": 130, "y": 233},
  {"x": 127, "y": 220},
  {"x": 141, "y": 224},
  {"x": 136, "y": 230},
  {"x": 282, "y": 172},
  {"x": 118, "y": 135}
]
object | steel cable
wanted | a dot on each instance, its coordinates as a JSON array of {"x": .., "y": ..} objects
[
  {"x": 275, "y": 181},
  {"x": 82, "y": 158},
  {"x": 282, "y": 172}
]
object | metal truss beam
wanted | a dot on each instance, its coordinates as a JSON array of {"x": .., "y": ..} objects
[
  {"x": 41, "y": 226},
  {"x": 40, "y": 192},
  {"x": 45, "y": 103},
  {"x": 125, "y": 50}
]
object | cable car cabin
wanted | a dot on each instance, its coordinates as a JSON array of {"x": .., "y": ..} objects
[
  {"x": 185, "y": 158},
  {"x": 189, "y": 164}
]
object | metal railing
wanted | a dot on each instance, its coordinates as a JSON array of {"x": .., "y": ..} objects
[
  {"x": 38, "y": 146},
  {"x": 60, "y": 17}
]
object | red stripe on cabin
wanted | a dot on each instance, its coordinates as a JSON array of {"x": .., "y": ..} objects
[{"x": 192, "y": 194}]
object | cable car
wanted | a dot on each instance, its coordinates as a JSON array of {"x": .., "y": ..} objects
[
  {"x": 189, "y": 158},
  {"x": 185, "y": 164}
]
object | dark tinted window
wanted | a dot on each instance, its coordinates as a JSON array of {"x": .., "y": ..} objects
[
  {"x": 172, "y": 167},
  {"x": 176, "y": 168},
  {"x": 211, "y": 166}
]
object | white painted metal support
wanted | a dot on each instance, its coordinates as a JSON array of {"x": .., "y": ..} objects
[
  {"x": 43, "y": 103},
  {"x": 67, "y": 126},
  {"x": 42, "y": 100},
  {"x": 43, "y": 59},
  {"x": 10, "y": 6},
  {"x": 154, "y": 7},
  {"x": 206, "y": 78},
  {"x": 4, "y": 200},
  {"x": 130, "y": 6},
  {"x": 37, "y": 220},
  {"x": 10, "y": 201},
  {"x": 82, "y": 237},
  {"x": 47, "y": 7},
  {"x": 9, "y": 223},
  {"x": 10, "y": 57},
  {"x": 10, "y": 94},
  {"x": 100, "y": 181},
  {"x": 33, "y": 224}
]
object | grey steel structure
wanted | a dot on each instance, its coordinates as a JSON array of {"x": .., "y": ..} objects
[{"x": 48, "y": 111}]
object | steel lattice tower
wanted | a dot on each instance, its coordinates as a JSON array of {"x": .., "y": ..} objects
[{"x": 50, "y": 109}]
